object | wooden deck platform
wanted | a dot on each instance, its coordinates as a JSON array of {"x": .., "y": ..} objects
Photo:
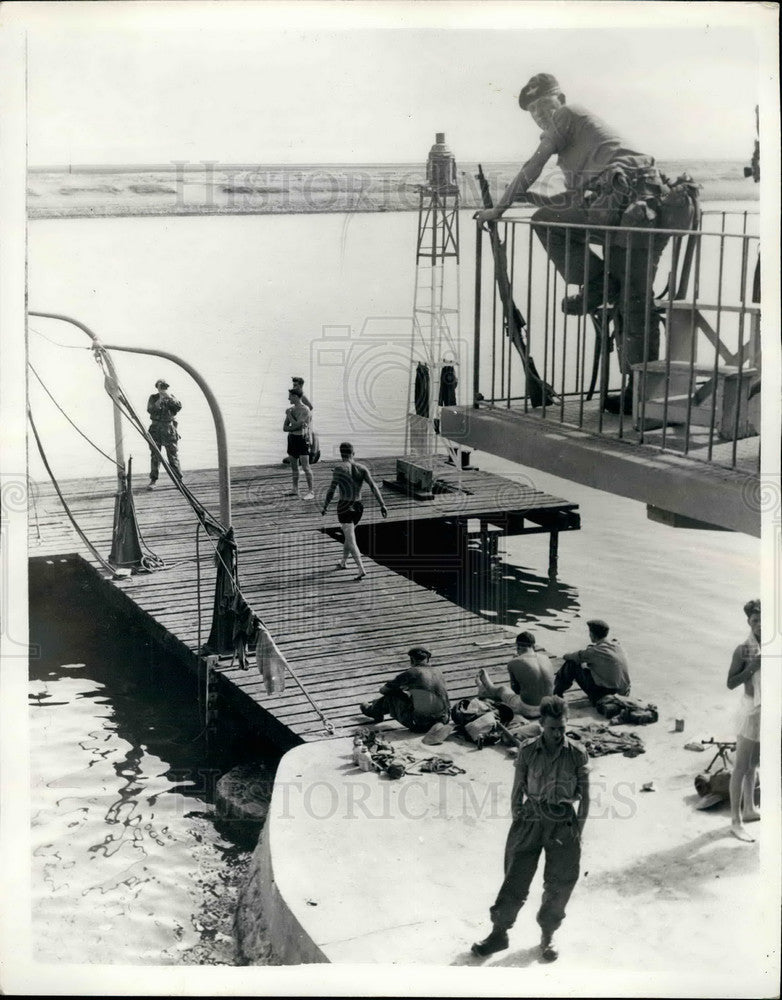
[{"x": 341, "y": 637}]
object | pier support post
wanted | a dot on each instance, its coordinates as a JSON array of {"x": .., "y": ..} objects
[
  {"x": 553, "y": 554},
  {"x": 210, "y": 713}
]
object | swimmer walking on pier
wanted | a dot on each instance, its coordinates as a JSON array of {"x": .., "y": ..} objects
[{"x": 349, "y": 478}]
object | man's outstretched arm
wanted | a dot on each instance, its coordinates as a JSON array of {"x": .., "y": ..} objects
[{"x": 527, "y": 176}]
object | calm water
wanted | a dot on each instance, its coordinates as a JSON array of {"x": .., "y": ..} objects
[
  {"x": 129, "y": 861},
  {"x": 126, "y": 854}
]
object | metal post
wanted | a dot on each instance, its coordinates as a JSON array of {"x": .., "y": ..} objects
[
  {"x": 118, "y": 449},
  {"x": 217, "y": 416},
  {"x": 222, "y": 442},
  {"x": 553, "y": 552},
  {"x": 476, "y": 353}
]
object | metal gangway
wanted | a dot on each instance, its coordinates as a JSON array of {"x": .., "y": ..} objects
[{"x": 698, "y": 395}]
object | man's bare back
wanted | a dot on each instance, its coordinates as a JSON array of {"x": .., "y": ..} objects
[{"x": 531, "y": 675}]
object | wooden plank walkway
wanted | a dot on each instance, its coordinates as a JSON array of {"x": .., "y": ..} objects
[{"x": 342, "y": 638}]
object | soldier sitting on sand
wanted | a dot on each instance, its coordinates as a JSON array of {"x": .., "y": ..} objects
[
  {"x": 417, "y": 697},
  {"x": 598, "y": 669}
]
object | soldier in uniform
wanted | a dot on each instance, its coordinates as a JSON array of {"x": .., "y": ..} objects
[
  {"x": 551, "y": 777},
  {"x": 608, "y": 183},
  {"x": 162, "y": 408}
]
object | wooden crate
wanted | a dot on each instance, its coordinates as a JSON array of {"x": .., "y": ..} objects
[
  {"x": 730, "y": 390},
  {"x": 418, "y": 475}
]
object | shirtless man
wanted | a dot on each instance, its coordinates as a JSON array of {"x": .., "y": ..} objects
[
  {"x": 745, "y": 670},
  {"x": 297, "y": 419},
  {"x": 298, "y": 383},
  {"x": 531, "y": 678},
  {"x": 349, "y": 478}
]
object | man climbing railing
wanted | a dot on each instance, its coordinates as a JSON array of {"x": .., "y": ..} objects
[{"x": 692, "y": 383}]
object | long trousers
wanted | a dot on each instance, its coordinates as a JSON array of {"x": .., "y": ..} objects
[
  {"x": 530, "y": 834},
  {"x": 163, "y": 439},
  {"x": 571, "y": 671},
  {"x": 578, "y": 263},
  {"x": 400, "y": 707}
]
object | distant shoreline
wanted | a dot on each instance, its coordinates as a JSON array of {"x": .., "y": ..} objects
[{"x": 238, "y": 189}]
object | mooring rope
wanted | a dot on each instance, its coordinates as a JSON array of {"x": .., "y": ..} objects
[
  {"x": 120, "y": 399},
  {"x": 328, "y": 725},
  {"x": 31, "y": 494},
  {"x": 67, "y": 347},
  {"x": 75, "y": 427},
  {"x": 87, "y": 542},
  {"x": 205, "y": 519}
]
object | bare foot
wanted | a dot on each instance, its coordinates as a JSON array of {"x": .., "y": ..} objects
[
  {"x": 740, "y": 833},
  {"x": 485, "y": 686},
  {"x": 360, "y": 576},
  {"x": 341, "y": 565},
  {"x": 751, "y": 816}
]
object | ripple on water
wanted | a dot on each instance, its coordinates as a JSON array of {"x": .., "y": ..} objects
[{"x": 127, "y": 864}]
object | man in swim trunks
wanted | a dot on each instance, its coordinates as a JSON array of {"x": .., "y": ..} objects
[
  {"x": 298, "y": 383},
  {"x": 297, "y": 419},
  {"x": 745, "y": 669},
  {"x": 531, "y": 679},
  {"x": 349, "y": 478}
]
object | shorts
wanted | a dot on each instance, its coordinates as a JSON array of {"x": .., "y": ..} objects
[
  {"x": 749, "y": 725},
  {"x": 297, "y": 446},
  {"x": 349, "y": 511}
]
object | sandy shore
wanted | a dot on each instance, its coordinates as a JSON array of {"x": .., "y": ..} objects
[
  {"x": 252, "y": 190},
  {"x": 224, "y": 191}
]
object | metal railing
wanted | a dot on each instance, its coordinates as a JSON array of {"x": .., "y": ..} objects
[{"x": 691, "y": 372}]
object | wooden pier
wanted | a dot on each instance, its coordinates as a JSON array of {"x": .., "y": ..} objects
[{"x": 341, "y": 637}]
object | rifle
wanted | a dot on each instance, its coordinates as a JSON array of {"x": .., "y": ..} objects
[{"x": 538, "y": 391}]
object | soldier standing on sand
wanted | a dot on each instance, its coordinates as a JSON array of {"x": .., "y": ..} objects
[
  {"x": 551, "y": 775},
  {"x": 162, "y": 408}
]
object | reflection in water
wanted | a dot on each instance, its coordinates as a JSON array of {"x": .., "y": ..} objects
[
  {"x": 528, "y": 598},
  {"x": 128, "y": 863},
  {"x": 500, "y": 591}
]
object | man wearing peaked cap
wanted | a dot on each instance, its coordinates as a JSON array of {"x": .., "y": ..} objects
[
  {"x": 417, "y": 697},
  {"x": 162, "y": 408},
  {"x": 609, "y": 182},
  {"x": 541, "y": 85}
]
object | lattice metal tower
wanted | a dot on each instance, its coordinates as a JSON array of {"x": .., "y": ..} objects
[{"x": 436, "y": 341}]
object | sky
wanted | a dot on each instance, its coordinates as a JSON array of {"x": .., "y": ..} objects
[{"x": 268, "y": 82}]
